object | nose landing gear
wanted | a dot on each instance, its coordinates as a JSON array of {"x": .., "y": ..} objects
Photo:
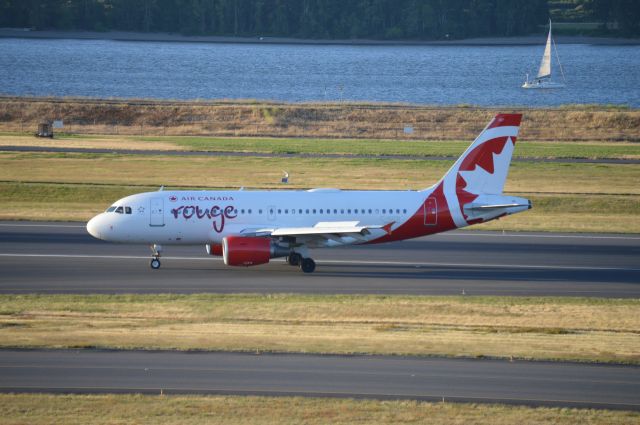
[
  {"x": 155, "y": 263},
  {"x": 155, "y": 253}
]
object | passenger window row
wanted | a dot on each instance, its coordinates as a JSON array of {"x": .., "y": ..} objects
[
  {"x": 127, "y": 210},
  {"x": 336, "y": 211}
]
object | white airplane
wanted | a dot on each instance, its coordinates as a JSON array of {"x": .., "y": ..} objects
[{"x": 248, "y": 228}]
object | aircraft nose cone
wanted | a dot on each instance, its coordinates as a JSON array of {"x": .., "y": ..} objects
[{"x": 93, "y": 227}]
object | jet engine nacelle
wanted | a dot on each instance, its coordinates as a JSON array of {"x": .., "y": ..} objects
[
  {"x": 214, "y": 249},
  {"x": 239, "y": 251}
]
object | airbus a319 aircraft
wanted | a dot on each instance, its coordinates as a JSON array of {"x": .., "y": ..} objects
[{"x": 248, "y": 228}]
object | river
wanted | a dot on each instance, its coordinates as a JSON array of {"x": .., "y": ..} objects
[{"x": 431, "y": 75}]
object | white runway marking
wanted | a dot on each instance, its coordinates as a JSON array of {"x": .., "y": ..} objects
[
  {"x": 537, "y": 235},
  {"x": 331, "y": 261}
]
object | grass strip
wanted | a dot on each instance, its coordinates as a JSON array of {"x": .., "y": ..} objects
[
  {"x": 576, "y": 329},
  {"x": 417, "y": 148},
  {"x": 559, "y": 213},
  {"x": 608, "y": 198},
  {"x": 166, "y": 410},
  {"x": 156, "y": 170}
]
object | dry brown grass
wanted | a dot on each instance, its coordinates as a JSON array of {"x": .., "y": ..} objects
[
  {"x": 607, "y": 198},
  {"x": 230, "y": 410},
  {"x": 318, "y": 146},
  {"x": 256, "y": 172},
  {"x": 531, "y": 328},
  {"x": 106, "y": 142},
  {"x": 310, "y": 120}
]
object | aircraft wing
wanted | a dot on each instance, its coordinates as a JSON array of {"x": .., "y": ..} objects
[{"x": 330, "y": 230}]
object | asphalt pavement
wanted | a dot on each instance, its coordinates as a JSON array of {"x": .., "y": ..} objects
[
  {"x": 63, "y": 258},
  {"x": 378, "y": 377}
]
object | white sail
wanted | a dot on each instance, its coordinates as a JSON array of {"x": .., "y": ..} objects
[
  {"x": 543, "y": 80},
  {"x": 545, "y": 64}
]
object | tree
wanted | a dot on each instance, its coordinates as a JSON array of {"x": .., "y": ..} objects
[{"x": 415, "y": 19}]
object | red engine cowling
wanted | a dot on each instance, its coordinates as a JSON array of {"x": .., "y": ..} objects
[
  {"x": 239, "y": 251},
  {"x": 214, "y": 249}
]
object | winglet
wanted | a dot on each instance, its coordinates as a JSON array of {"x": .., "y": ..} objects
[{"x": 387, "y": 227}]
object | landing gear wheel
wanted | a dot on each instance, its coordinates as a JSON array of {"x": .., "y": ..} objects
[
  {"x": 307, "y": 265},
  {"x": 155, "y": 256},
  {"x": 294, "y": 259}
]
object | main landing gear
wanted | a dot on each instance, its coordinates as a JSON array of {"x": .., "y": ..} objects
[
  {"x": 307, "y": 265},
  {"x": 155, "y": 254},
  {"x": 294, "y": 259}
]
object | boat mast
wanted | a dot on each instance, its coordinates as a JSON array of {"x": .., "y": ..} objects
[{"x": 555, "y": 48}]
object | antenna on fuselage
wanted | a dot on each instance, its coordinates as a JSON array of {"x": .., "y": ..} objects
[
  {"x": 161, "y": 188},
  {"x": 285, "y": 177}
]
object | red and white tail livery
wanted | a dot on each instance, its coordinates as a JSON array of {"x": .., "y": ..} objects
[{"x": 250, "y": 227}]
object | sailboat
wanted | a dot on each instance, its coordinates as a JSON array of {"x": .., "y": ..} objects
[{"x": 543, "y": 80}]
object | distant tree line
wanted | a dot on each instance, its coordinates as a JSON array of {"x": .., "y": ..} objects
[
  {"x": 331, "y": 19},
  {"x": 624, "y": 13}
]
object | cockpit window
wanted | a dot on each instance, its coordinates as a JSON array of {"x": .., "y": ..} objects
[
  {"x": 111, "y": 209},
  {"x": 127, "y": 210},
  {"x": 119, "y": 210}
]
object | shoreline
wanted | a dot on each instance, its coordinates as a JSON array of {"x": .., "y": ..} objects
[
  {"x": 170, "y": 37},
  {"x": 372, "y": 104},
  {"x": 343, "y": 120}
]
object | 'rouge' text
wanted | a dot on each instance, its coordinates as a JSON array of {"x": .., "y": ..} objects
[{"x": 216, "y": 213}]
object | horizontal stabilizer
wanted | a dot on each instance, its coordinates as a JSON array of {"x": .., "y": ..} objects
[{"x": 490, "y": 207}]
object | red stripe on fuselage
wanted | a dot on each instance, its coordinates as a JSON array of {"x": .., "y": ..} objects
[{"x": 415, "y": 226}]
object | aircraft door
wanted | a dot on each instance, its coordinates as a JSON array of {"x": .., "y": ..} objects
[
  {"x": 431, "y": 212},
  {"x": 156, "y": 217}
]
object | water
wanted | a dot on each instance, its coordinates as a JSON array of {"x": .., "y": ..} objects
[{"x": 483, "y": 75}]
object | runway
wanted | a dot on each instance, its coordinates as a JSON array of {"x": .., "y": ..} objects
[
  {"x": 63, "y": 258},
  {"x": 430, "y": 379}
]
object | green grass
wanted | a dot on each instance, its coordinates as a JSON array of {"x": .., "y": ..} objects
[
  {"x": 539, "y": 328},
  {"x": 525, "y": 149},
  {"x": 573, "y": 213},
  {"x": 52, "y": 193},
  {"x": 64, "y": 186},
  {"x": 566, "y": 196},
  {"x": 260, "y": 172},
  {"x": 112, "y": 409},
  {"x": 587, "y": 213},
  {"x": 417, "y": 148}
]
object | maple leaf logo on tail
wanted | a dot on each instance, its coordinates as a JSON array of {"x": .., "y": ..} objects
[
  {"x": 471, "y": 191},
  {"x": 483, "y": 167}
]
